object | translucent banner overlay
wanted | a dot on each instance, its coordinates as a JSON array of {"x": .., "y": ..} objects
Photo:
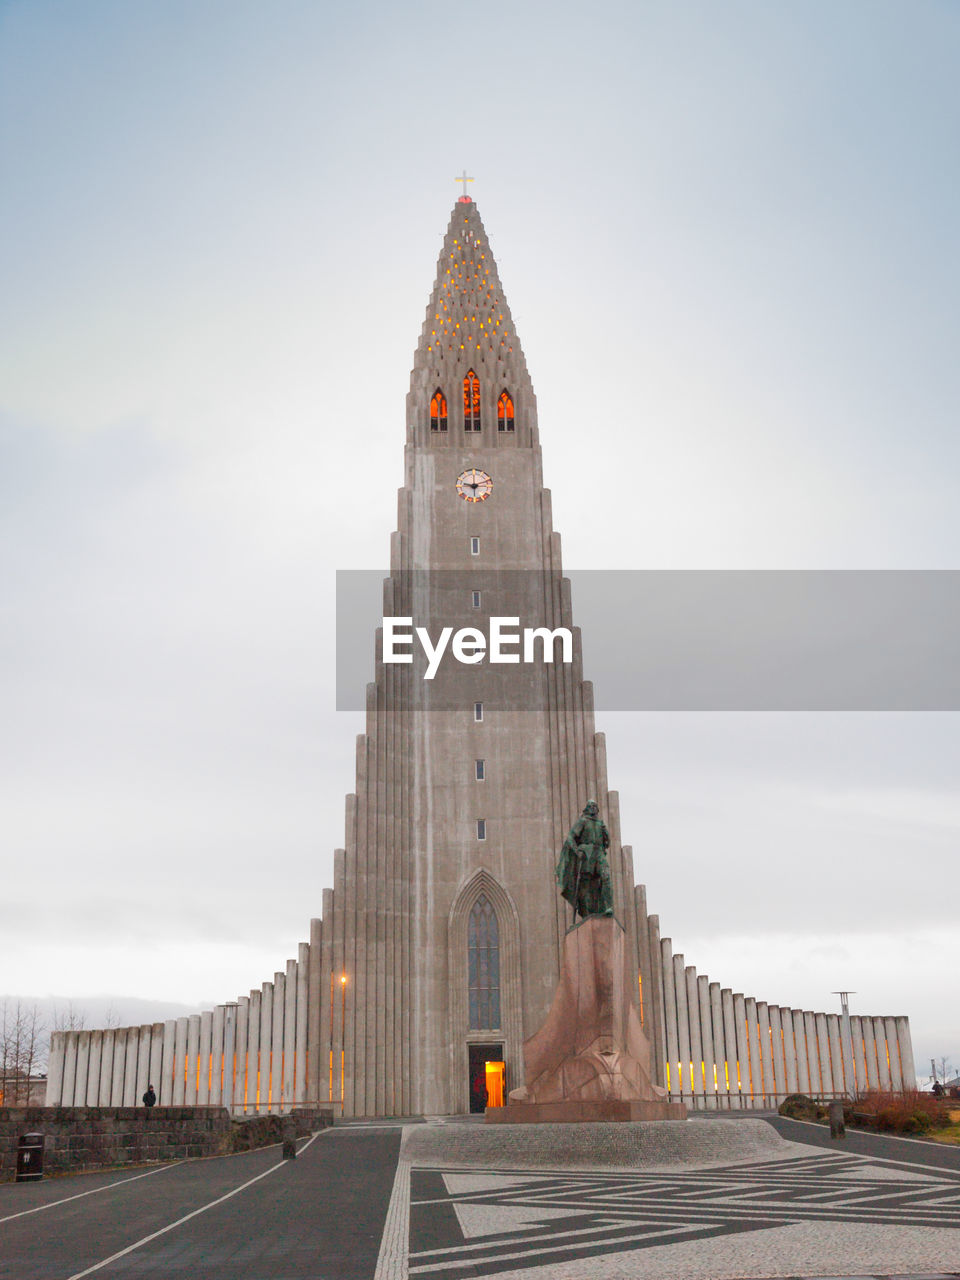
[{"x": 804, "y": 640}]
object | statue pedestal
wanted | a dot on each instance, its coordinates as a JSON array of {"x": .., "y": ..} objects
[{"x": 590, "y": 1061}]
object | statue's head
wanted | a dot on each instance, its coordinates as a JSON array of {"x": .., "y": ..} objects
[{"x": 591, "y": 809}]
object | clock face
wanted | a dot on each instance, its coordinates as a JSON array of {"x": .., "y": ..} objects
[{"x": 474, "y": 485}]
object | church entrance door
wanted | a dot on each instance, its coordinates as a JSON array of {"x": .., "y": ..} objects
[{"x": 480, "y": 1055}]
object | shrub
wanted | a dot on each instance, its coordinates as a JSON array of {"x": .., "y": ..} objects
[{"x": 908, "y": 1112}]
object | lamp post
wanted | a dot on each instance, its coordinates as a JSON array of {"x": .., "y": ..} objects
[{"x": 846, "y": 1039}]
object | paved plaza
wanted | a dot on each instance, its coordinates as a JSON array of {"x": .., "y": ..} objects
[{"x": 445, "y": 1200}]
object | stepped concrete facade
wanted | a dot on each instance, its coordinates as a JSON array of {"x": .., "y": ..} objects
[{"x": 439, "y": 944}]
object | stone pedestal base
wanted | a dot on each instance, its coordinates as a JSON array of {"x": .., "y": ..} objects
[
  {"x": 590, "y": 1061},
  {"x": 584, "y": 1112}
]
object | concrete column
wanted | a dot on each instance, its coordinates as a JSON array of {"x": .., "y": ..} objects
[
  {"x": 156, "y": 1056},
  {"x": 266, "y": 1044},
  {"x": 859, "y": 1056},
  {"x": 229, "y": 1055},
  {"x": 730, "y": 1048},
  {"x": 325, "y": 1065},
  {"x": 216, "y": 1057},
  {"x": 719, "y": 1053},
  {"x": 904, "y": 1040},
  {"x": 776, "y": 1041},
  {"x": 276, "y": 1073},
  {"x": 303, "y": 1018},
  {"x": 696, "y": 1039},
  {"x": 314, "y": 971},
  {"x": 253, "y": 1054},
  {"x": 290, "y": 1037},
  {"x": 69, "y": 1067},
  {"x": 191, "y": 1088},
  {"x": 756, "y": 1053},
  {"x": 241, "y": 1080},
  {"x": 683, "y": 1027},
  {"x": 789, "y": 1050},
  {"x": 116, "y": 1067},
  {"x": 836, "y": 1053},
  {"x": 180, "y": 1062},
  {"x": 870, "y": 1052},
  {"x": 766, "y": 1052},
  {"x": 143, "y": 1063},
  {"x": 813, "y": 1053},
  {"x": 896, "y": 1075},
  {"x": 823, "y": 1053},
  {"x": 55, "y": 1069},
  {"x": 93, "y": 1070},
  {"x": 670, "y": 1019},
  {"x": 206, "y": 1066},
  {"x": 164, "y": 1086},
  {"x": 706, "y": 1042},
  {"x": 743, "y": 1048},
  {"x": 850, "y": 1081},
  {"x": 659, "y": 1036},
  {"x": 131, "y": 1058},
  {"x": 83, "y": 1063},
  {"x": 800, "y": 1050}
]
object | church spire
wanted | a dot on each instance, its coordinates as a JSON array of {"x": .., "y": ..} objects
[{"x": 469, "y": 331}]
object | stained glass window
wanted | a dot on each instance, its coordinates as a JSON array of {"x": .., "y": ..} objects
[
  {"x": 483, "y": 963},
  {"x": 438, "y": 411},
  {"x": 471, "y": 402},
  {"x": 505, "y": 412}
]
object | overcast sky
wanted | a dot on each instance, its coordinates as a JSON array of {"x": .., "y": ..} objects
[{"x": 727, "y": 234}]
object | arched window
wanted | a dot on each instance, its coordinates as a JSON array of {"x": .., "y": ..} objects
[
  {"x": 471, "y": 402},
  {"x": 483, "y": 963},
  {"x": 438, "y": 411},
  {"x": 505, "y": 412}
]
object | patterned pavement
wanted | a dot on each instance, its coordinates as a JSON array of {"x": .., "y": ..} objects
[{"x": 470, "y": 1224}]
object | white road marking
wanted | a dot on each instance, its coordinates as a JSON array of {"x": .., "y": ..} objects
[
  {"x": 97, "y": 1266},
  {"x": 107, "y": 1187}
]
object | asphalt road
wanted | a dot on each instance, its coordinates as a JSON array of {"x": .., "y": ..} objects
[{"x": 245, "y": 1217}]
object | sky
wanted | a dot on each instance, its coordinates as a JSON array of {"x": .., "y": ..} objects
[{"x": 727, "y": 235}]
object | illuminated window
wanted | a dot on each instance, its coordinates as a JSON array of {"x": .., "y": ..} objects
[
  {"x": 504, "y": 412},
  {"x": 476, "y": 599},
  {"x": 478, "y": 711},
  {"x": 483, "y": 966},
  {"x": 471, "y": 402},
  {"x": 481, "y": 769},
  {"x": 438, "y": 411},
  {"x": 481, "y": 828}
]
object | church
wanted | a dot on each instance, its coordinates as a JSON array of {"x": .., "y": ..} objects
[{"x": 436, "y": 952}]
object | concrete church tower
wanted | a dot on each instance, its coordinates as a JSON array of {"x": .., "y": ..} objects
[
  {"x": 468, "y": 783},
  {"x": 440, "y": 941}
]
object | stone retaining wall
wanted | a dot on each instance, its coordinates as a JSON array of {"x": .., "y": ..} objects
[{"x": 79, "y": 1138}]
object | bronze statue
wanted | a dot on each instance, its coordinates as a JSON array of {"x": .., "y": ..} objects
[{"x": 583, "y": 871}]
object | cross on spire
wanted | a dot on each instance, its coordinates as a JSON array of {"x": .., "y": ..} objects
[{"x": 464, "y": 179}]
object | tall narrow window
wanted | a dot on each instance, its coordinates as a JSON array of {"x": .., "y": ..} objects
[
  {"x": 483, "y": 966},
  {"x": 476, "y": 599},
  {"x": 438, "y": 411},
  {"x": 471, "y": 402},
  {"x": 481, "y": 769},
  {"x": 474, "y": 546},
  {"x": 478, "y": 711},
  {"x": 481, "y": 828},
  {"x": 505, "y": 412}
]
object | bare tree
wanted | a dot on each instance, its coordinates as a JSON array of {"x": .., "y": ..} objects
[
  {"x": 68, "y": 1018},
  {"x": 22, "y": 1047}
]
